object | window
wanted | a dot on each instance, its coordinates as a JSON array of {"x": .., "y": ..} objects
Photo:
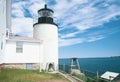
[
  {"x": 28, "y": 66},
  {"x": 19, "y": 47}
]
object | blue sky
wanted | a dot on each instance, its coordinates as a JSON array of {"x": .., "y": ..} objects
[{"x": 87, "y": 28}]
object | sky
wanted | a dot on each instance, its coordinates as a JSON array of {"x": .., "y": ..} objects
[{"x": 86, "y": 28}]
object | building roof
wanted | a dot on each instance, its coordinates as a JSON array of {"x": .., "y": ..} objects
[{"x": 28, "y": 39}]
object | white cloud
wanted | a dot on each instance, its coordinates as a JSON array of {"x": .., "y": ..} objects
[
  {"x": 89, "y": 16},
  {"x": 64, "y": 7},
  {"x": 79, "y": 14},
  {"x": 36, "y": 5},
  {"x": 72, "y": 41},
  {"x": 69, "y": 35},
  {"x": 94, "y": 38},
  {"x": 68, "y": 42},
  {"x": 22, "y": 25},
  {"x": 18, "y": 9}
]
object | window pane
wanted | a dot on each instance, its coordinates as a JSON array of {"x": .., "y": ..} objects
[{"x": 19, "y": 47}]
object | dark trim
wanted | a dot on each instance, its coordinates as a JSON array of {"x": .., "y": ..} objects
[
  {"x": 45, "y": 9},
  {"x": 45, "y": 23}
]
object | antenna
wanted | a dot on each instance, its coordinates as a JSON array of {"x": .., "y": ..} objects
[{"x": 45, "y": 6}]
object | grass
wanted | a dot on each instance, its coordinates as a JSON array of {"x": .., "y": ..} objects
[
  {"x": 18, "y": 75},
  {"x": 84, "y": 78}
]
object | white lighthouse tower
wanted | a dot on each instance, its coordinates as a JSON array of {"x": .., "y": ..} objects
[{"x": 46, "y": 30}]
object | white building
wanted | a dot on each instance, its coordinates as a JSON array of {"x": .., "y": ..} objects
[
  {"x": 23, "y": 52},
  {"x": 5, "y": 24},
  {"x": 40, "y": 51}
]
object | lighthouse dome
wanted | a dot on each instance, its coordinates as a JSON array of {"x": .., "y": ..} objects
[{"x": 45, "y": 12}]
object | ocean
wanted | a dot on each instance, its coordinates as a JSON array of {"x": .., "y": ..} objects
[{"x": 92, "y": 65}]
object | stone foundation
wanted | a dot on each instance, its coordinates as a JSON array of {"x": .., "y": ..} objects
[
  {"x": 15, "y": 66},
  {"x": 35, "y": 66}
]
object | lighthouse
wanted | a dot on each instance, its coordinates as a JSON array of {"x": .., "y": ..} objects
[{"x": 46, "y": 30}]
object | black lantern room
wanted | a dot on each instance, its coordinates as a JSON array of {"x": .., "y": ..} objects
[{"x": 45, "y": 15}]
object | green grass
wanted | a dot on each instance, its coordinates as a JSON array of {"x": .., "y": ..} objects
[
  {"x": 84, "y": 78},
  {"x": 18, "y": 75},
  {"x": 79, "y": 76}
]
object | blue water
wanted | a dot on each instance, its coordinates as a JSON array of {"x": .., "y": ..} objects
[{"x": 96, "y": 64}]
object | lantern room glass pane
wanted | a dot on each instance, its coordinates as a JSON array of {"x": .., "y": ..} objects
[{"x": 45, "y": 13}]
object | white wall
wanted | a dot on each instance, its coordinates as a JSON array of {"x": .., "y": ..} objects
[
  {"x": 31, "y": 52},
  {"x": 5, "y": 21},
  {"x": 49, "y": 34},
  {"x": 2, "y": 27},
  {"x": 8, "y": 14}
]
